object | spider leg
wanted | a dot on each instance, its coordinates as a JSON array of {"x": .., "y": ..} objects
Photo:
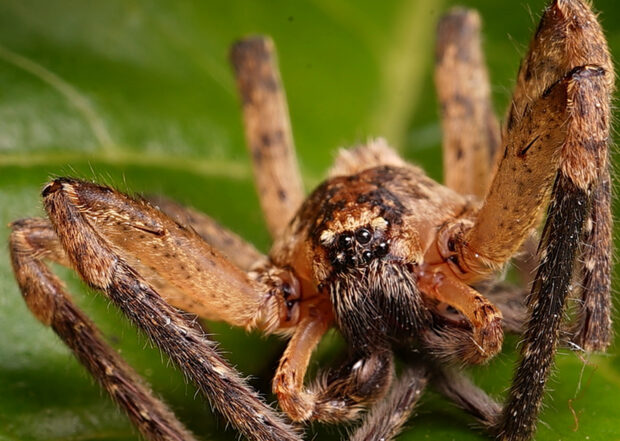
[
  {"x": 388, "y": 416},
  {"x": 474, "y": 335},
  {"x": 471, "y": 134},
  {"x": 555, "y": 142},
  {"x": 288, "y": 382},
  {"x": 592, "y": 330},
  {"x": 464, "y": 393},
  {"x": 558, "y": 122},
  {"x": 34, "y": 240},
  {"x": 520, "y": 187},
  {"x": 268, "y": 131},
  {"x": 243, "y": 254},
  {"x": 103, "y": 231},
  {"x": 554, "y": 148},
  {"x": 342, "y": 393},
  {"x": 566, "y": 217},
  {"x": 189, "y": 273}
]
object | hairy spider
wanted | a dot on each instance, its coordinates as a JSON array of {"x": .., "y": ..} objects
[{"x": 394, "y": 260}]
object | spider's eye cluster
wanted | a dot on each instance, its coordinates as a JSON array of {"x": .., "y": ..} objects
[{"x": 358, "y": 248}]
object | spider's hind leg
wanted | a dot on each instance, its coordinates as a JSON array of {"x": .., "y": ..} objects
[
  {"x": 268, "y": 131},
  {"x": 592, "y": 328}
]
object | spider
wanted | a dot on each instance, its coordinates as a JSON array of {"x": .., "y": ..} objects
[{"x": 397, "y": 262}]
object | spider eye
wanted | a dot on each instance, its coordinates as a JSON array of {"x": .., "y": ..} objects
[
  {"x": 382, "y": 249},
  {"x": 352, "y": 260},
  {"x": 352, "y": 249},
  {"x": 363, "y": 236},
  {"x": 345, "y": 240}
]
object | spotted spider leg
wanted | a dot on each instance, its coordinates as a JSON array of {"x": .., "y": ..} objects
[
  {"x": 470, "y": 129},
  {"x": 554, "y": 147},
  {"x": 112, "y": 241},
  {"x": 268, "y": 131}
]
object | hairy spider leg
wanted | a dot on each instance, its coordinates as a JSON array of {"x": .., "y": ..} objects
[
  {"x": 592, "y": 329},
  {"x": 471, "y": 134},
  {"x": 458, "y": 387},
  {"x": 33, "y": 241},
  {"x": 387, "y": 417},
  {"x": 105, "y": 236},
  {"x": 555, "y": 145}
]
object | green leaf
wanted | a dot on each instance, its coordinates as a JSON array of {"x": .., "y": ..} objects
[{"x": 138, "y": 94}]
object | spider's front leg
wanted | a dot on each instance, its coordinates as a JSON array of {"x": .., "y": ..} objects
[
  {"x": 336, "y": 395},
  {"x": 554, "y": 146},
  {"x": 126, "y": 248}
]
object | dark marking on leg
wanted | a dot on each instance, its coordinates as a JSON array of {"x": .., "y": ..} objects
[{"x": 559, "y": 246}]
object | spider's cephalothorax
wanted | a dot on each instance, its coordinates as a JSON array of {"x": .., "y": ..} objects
[
  {"x": 364, "y": 233},
  {"x": 379, "y": 250}
]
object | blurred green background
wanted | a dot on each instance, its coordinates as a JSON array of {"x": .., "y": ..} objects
[{"x": 139, "y": 94}]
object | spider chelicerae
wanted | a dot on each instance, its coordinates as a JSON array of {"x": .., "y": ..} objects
[{"x": 398, "y": 263}]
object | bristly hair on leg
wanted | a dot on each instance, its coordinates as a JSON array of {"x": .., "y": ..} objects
[
  {"x": 592, "y": 329},
  {"x": 33, "y": 240},
  {"x": 465, "y": 394},
  {"x": 387, "y": 418}
]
